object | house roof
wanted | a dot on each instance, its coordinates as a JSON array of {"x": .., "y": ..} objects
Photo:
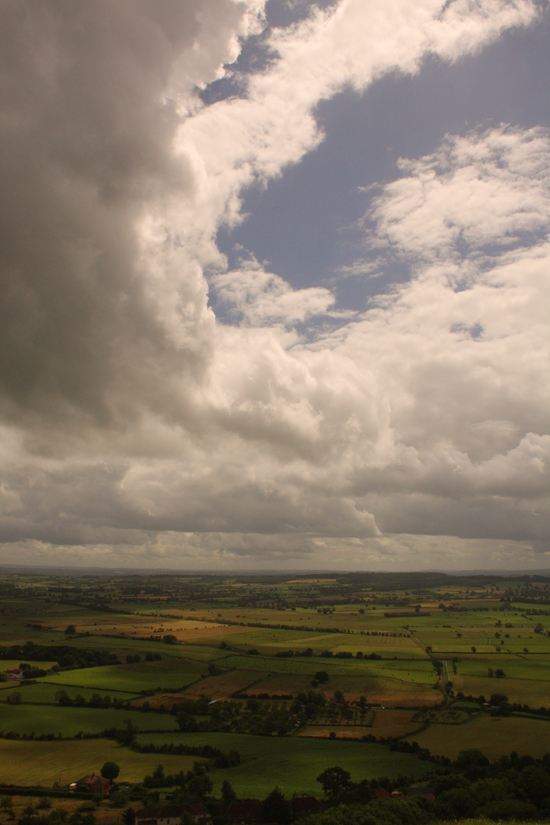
[
  {"x": 161, "y": 812},
  {"x": 94, "y": 779},
  {"x": 196, "y": 809},
  {"x": 380, "y": 793},
  {"x": 243, "y": 810},
  {"x": 304, "y": 805}
]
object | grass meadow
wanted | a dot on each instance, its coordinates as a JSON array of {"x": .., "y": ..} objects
[
  {"x": 130, "y": 678},
  {"x": 69, "y": 721},
  {"x": 495, "y": 736},
  {"x": 294, "y": 763}
]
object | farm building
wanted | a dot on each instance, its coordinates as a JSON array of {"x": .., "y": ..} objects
[
  {"x": 172, "y": 814},
  {"x": 304, "y": 806},
  {"x": 243, "y": 812},
  {"x": 415, "y": 790},
  {"x": 14, "y": 675},
  {"x": 93, "y": 783},
  {"x": 380, "y": 793}
]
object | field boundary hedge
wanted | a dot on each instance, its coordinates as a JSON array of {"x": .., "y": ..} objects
[{"x": 21, "y": 790}]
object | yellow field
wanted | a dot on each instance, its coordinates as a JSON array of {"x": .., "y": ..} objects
[
  {"x": 141, "y": 627},
  {"x": 104, "y": 814},
  {"x": 394, "y": 723},
  {"x": 341, "y": 731},
  {"x": 495, "y": 736},
  {"x": 32, "y": 763},
  {"x": 525, "y": 691},
  {"x": 224, "y": 685}
]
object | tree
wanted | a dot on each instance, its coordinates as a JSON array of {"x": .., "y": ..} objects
[
  {"x": 275, "y": 808},
  {"x": 70, "y": 630},
  {"x": 158, "y": 777},
  {"x": 110, "y": 771},
  {"x": 127, "y": 735},
  {"x": 335, "y": 781},
  {"x": 499, "y": 673},
  {"x": 186, "y": 722},
  {"x": 199, "y": 783},
  {"x": 536, "y": 783},
  {"x": 129, "y": 816},
  {"x": 228, "y": 793},
  {"x": 471, "y": 760},
  {"x": 63, "y": 698},
  {"x": 321, "y": 676},
  {"x": 473, "y": 649}
]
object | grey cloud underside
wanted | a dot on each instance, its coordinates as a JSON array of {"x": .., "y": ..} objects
[
  {"x": 86, "y": 505},
  {"x": 86, "y": 152},
  {"x": 130, "y": 415}
]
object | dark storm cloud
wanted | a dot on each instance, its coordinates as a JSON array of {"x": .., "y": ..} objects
[{"x": 86, "y": 153}]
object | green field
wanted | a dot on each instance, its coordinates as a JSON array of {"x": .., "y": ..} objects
[
  {"x": 131, "y": 678},
  {"x": 45, "y": 692},
  {"x": 293, "y": 764},
  {"x": 70, "y": 721}
]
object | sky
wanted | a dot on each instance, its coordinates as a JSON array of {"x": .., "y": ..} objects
[{"x": 275, "y": 284}]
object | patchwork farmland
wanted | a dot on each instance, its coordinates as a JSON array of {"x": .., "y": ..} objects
[{"x": 265, "y": 681}]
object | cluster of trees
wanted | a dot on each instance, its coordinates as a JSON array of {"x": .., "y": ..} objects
[
  {"x": 67, "y": 657},
  {"x": 149, "y": 657},
  {"x": 218, "y": 758},
  {"x": 346, "y": 654},
  {"x": 190, "y": 786},
  {"x": 338, "y": 787},
  {"x": 57, "y": 816},
  {"x": 265, "y": 717},
  {"x": 195, "y": 782},
  {"x": 327, "y": 654},
  {"x": 307, "y": 652},
  {"x": 512, "y": 788},
  {"x": 41, "y": 737},
  {"x": 501, "y": 706},
  {"x": 95, "y": 701},
  {"x": 273, "y": 696},
  {"x": 279, "y": 626}
]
